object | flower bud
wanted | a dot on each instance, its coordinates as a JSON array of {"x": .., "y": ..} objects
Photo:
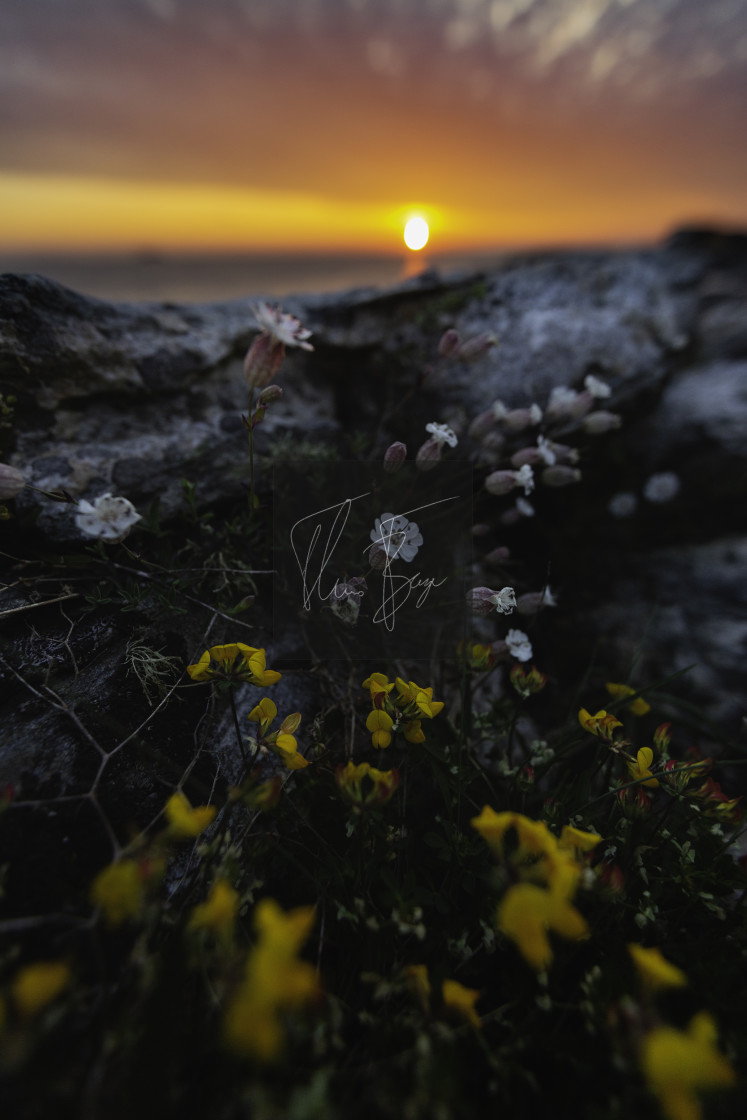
[
  {"x": 481, "y": 529},
  {"x": 475, "y": 347},
  {"x": 527, "y": 681},
  {"x": 560, "y": 476},
  {"x": 270, "y": 395},
  {"x": 482, "y": 424},
  {"x": 449, "y": 343},
  {"x": 12, "y": 482},
  {"x": 263, "y": 360},
  {"x": 597, "y": 423},
  {"x": 500, "y": 482},
  {"x": 567, "y": 404},
  {"x": 520, "y": 418},
  {"x": 497, "y": 557},
  {"x": 483, "y": 600},
  {"x": 428, "y": 455},
  {"x": 377, "y": 557},
  {"x": 528, "y": 456},
  {"x": 394, "y": 457}
]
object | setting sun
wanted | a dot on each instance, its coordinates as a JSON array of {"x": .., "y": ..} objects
[{"x": 416, "y": 233}]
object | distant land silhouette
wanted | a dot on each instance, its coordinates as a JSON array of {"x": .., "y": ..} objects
[{"x": 203, "y": 277}]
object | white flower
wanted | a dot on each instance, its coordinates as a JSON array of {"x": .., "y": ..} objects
[
  {"x": 623, "y": 504},
  {"x": 546, "y": 453},
  {"x": 525, "y": 478},
  {"x": 519, "y": 645},
  {"x": 661, "y": 487},
  {"x": 442, "y": 433},
  {"x": 499, "y": 410},
  {"x": 108, "y": 518},
  {"x": 535, "y": 413},
  {"x": 525, "y": 508},
  {"x": 398, "y": 537},
  {"x": 597, "y": 388},
  {"x": 285, "y": 328},
  {"x": 504, "y": 600}
]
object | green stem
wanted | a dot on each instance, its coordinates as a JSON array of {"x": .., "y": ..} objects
[{"x": 240, "y": 741}]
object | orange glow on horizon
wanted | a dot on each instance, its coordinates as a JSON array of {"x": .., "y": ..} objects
[{"x": 51, "y": 213}]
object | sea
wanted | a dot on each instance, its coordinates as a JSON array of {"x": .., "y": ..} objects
[{"x": 203, "y": 278}]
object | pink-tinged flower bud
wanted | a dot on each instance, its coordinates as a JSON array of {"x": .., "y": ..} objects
[
  {"x": 560, "y": 476},
  {"x": 474, "y": 348},
  {"x": 597, "y": 423},
  {"x": 428, "y": 455},
  {"x": 12, "y": 482},
  {"x": 394, "y": 457},
  {"x": 377, "y": 557},
  {"x": 520, "y": 418},
  {"x": 263, "y": 360},
  {"x": 481, "y": 529},
  {"x": 270, "y": 395},
  {"x": 449, "y": 343},
  {"x": 483, "y": 600},
  {"x": 528, "y": 456},
  {"x": 497, "y": 557},
  {"x": 582, "y": 404},
  {"x": 567, "y": 404},
  {"x": 500, "y": 482},
  {"x": 563, "y": 453},
  {"x": 482, "y": 424}
]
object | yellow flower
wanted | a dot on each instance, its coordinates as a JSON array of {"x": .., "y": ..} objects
[
  {"x": 534, "y": 837},
  {"x": 286, "y": 748},
  {"x": 641, "y": 767},
  {"x": 235, "y": 662},
  {"x": 413, "y": 732},
  {"x": 419, "y": 984},
  {"x": 603, "y": 724},
  {"x": 380, "y": 724},
  {"x": 263, "y": 714},
  {"x": 184, "y": 821},
  {"x": 575, "y": 840},
  {"x": 379, "y": 686},
  {"x": 638, "y": 707},
  {"x": 274, "y": 981},
  {"x": 654, "y": 970},
  {"x": 676, "y": 1064},
  {"x": 380, "y": 787},
  {"x": 218, "y": 912},
  {"x": 462, "y": 1000},
  {"x": 119, "y": 891},
  {"x": 37, "y": 985},
  {"x": 421, "y": 698},
  {"x": 527, "y": 913}
]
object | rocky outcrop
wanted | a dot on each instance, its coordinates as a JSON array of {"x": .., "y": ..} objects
[{"x": 135, "y": 398}]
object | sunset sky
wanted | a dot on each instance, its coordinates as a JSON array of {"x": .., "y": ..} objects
[{"x": 324, "y": 124}]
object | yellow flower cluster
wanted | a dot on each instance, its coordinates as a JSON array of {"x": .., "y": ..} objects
[
  {"x": 234, "y": 662},
  {"x": 282, "y": 743},
  {"x": 274, "y": 982},
  {"x": 398, "y": 706},
  {"x": 548, "y": 870},
  {"x": 364, "y": 786}
]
